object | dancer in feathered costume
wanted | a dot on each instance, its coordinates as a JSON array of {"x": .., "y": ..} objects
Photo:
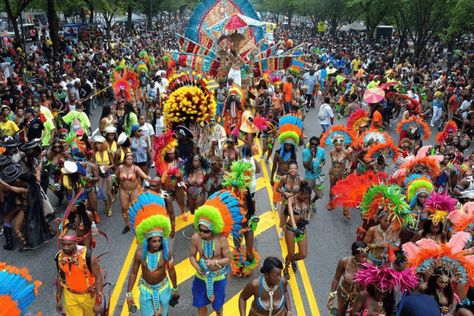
[
  {"x": 414, "y": 129},
  {"x": 221, "y": 215},
  {"x": 379, "y": 283},
  {"x": 17, "y": 290},
  {"x": 121, "y": 87},
  {"x": 449, "y": 258},
  {"x": 439, "y": 205},
  {"x": 152, "y": 226},
  {"x": 447, "y": 133},
  {"x": 463, "y": 219},
  {"x": 169, "y": 167},
  {"x": 386, "y": 205},
  {"x": 290, "y": 130},
  {"x": 358, "y": 121},
  {"x": 189, "y": 101},
  {"x": 418, "y": 189}
]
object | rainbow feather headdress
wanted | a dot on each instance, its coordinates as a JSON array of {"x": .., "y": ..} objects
[
  {"x": 450, "y": 127},
  {"x": 428, "y": 255},
  {"x": 417, "y": 184},
  {"x": 386, "y": 278},
  {"x": 290, "y": 130},
  {"x": 387, "y": 199},
  {"x": 416, "y": 122},
  {"x": 149, "y": 218},
  {"x": 358, "y": 119},
  {"x": 189, "y": 100},
  {"x": 349, "y": 191},
  {"x": 338, "y": 133},
  {"x": 463, "y": 218},
  {"x": 17, "y": 290},
  {"x": 163, "y": 144},
  {"x": 439, "y": 205}
]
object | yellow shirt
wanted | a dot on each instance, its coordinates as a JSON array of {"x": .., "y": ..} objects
[{"x": 9, "y": 128}]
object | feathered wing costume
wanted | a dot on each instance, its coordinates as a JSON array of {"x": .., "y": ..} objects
[
  {"x": 422, "y": 163},
  {"x": 17, "y": 290},
  {"x": 389, "y": 199},
  {"x": 463, "y": 218},
  {"x": 427, "y": 255},
  {"x": 416, "y": 122},
  {"x": 349, "y": 191},
  {"x": 386, "y": 279},
  {"x": 338, "y": 133},
  {"x": 439, "y": 205}
]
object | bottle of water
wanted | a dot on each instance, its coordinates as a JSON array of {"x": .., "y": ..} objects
[
  {"x": 203, "y": 266},
  {"x": 94, "y": 229}
]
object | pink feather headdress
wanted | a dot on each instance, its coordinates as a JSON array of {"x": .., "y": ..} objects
[
  {"x": 439, "y": 205},
  {"x": 463, "y": 219},
  {"x": 386, "y": 278}
]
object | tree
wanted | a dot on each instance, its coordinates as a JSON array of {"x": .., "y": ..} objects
[
  {"x": 460, "y": 21},
  {"x": 373, "y": 12},
  {"x": 53, "y": 24},
  {"x": 108, "y": 9},
  {"x": 14, "y": 8}
]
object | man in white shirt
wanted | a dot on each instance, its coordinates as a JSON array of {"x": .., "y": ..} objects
[{"x": 326, "y": 115}]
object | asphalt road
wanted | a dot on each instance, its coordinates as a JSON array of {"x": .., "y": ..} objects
[{"x": 330, "y": 237}]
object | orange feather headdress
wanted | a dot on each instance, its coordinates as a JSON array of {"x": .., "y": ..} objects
[
  {"x": 417, "y": 122},
  {"x": 450, "y": 127},
  {"x": 463, "y": 218},
  {"x": 338, "y": 133}
]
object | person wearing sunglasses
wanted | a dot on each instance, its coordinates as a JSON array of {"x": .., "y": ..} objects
[
  {"x": 343, "y": 286},
  {"x": 213, "y": 249}
]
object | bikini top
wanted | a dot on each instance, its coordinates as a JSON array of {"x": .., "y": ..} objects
[
  {"x": 128, "y": 176},
  {"x": 259, "y": 301},
  {"x": 103, "y": 159}
]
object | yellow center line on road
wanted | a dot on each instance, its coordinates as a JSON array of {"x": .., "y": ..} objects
[
  {"x": 184, "y": 269},
  {"x": 303, "y": 272}
]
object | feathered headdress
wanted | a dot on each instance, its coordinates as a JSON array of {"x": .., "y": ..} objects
[
  {"x": 290, "y": 129},
  {"x": 358, "y": 119},
  {"x": 418, "y": 123},
  {"x": 439, "y": 205},
  {"x": 416, "y": 185},
  {"x": 119, "y": 85},
  {"x": 74, "y": 143},
  {"x": 17, "y": 290},
  {"x": 239, "y": 178},
  {"x": 450, "y": 127},
  {"x": 420, "y": 164},
  {"x": 141, "y": 67},
  {"x": 189, "y": 101},
  {"x": 463, "y": 218},
  {"x": 349, "y": 191},
  {"x": 386, "y": 278},
  {"x": 387, "y": 150},
  {"x": 387, "y": 199},
  {"x": 338, "y": 133},
  {"x": 428, "y": 255},
  {"x": 132, "y": 78},
  {"x": 149, "y": 218},
  {"x": 163, "y": 144}
]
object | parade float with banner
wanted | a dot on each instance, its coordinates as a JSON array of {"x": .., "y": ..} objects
[{"x": 226, "y": 38}]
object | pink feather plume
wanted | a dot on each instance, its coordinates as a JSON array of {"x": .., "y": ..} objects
[
  {"x": 441, "y": 201},
  {"x": 386, "y": 278}
]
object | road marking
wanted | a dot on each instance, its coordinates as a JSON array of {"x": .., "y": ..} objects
[
  {"x": 184, "y": 269},
  {"x": 303, "y": 272},
  {"x": 231, "y": 307}
]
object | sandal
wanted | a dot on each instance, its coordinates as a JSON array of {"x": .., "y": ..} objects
[
  {"x": 24, "y": 244},
  {"x": 286, "y": 273},
  {"x": 294, "y": 266}
]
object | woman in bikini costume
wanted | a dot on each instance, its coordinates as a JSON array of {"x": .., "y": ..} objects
[
  {"x": 214, "y": 180},
  {"x": 299, "y": 216},
  {"x": 379, "y": 237},
  {"x": 269, "y": 291},
  {"x": 431, "y": 230},
  {"x": 343, "y": 287},
  {"x": 105, "y": 162},
  {"x": 289, "y": 186},
  {"x": 56, "y": 158},
  {"x": 340, "y": 159},
  {"x": 195, "y": 182},
  {"x": 130, "y": 178},
  {"x": 229, "y": 154}
]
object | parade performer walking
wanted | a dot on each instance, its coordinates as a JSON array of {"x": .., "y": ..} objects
[
  {"x": 79, "y": 283},
  {"x": 151, "y": 225}
]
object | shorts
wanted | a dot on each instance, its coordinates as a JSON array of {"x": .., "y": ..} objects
[
  {"x": 200, "y": 298},
  {"x": 220, "y": 107},
  {"x": 152, "y": 296},
  {"x": 317, "y": 186}
]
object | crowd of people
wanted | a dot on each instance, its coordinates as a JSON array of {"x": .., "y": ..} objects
[{"x": 413, "y": 251}]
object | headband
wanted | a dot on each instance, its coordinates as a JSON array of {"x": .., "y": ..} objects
[
  {"x": 206, "y": 223},
  {"x": 154, "y": 233},
  {"x": 70, "y": 238}
]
